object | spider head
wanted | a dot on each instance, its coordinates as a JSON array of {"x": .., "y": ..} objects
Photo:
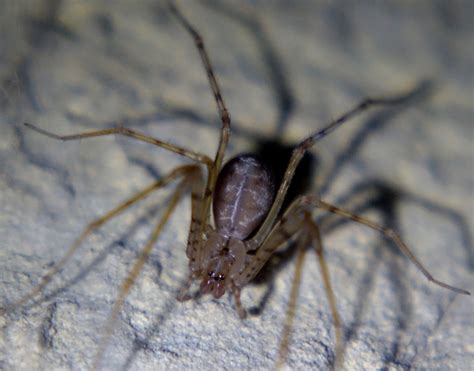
[
  {"x": 215, "y": 283},
  {"x": 215, "y": 278}
]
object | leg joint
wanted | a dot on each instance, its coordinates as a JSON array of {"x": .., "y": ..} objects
[{"x": 390, "y": 233}]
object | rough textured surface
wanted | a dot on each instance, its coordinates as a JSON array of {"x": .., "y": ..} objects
[{"x": 85, "y": 65}]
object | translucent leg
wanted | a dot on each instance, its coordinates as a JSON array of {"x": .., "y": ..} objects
[
  {"x": 129, "y": 281},
  {"x": 395, "y": 237},
  {"x": 318, "y": 244},
  {"x": 180, "y": 171},
  {"x": 310, "y": 233},
  {"x": 221, "y": 108},
  {"x": 291, "y": 310},
  {"x": 128, "y": 133}
]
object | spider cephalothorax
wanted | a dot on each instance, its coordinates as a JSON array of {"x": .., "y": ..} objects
[{"x": 223, "y": 258}]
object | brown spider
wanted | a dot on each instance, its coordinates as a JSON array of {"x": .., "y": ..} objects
[{"x": 248, "y": 223}]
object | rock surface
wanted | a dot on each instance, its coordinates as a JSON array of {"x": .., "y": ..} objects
[{"x": 285, "y": 70}]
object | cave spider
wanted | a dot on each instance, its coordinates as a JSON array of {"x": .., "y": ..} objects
[{"x": 229, "y": 255}]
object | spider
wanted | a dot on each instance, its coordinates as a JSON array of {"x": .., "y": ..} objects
[{"x": 249, "y": 223}]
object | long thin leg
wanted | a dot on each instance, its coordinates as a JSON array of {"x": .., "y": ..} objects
[
  {"x": 395, "y": 237},
  {"x": 128, "y": 133},
  {"x": 180, "y": 171},
  {"x": 318, "y": 244},
  {"x": 221, "y": 107},
  {"x": 238, "y": 303},
  {"x": 195, "y": 236},
  {"x": 307, "y": 143},
  {"x": 136, "y": 269},
  {"x": 291, "y": 310},
  {"x": 297, "y": 219}
]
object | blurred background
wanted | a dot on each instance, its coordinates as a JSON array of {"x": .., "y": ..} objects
[{"x": 286, "y": 69}]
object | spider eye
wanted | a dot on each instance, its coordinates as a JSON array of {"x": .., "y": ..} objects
[
  {"x": 211, "y": 273},
  {"x": 220, "y": 277}
]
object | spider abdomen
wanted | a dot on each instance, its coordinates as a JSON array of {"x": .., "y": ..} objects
[{"x": 243, "y": 196}]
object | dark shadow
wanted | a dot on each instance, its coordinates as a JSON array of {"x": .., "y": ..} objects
[
  {"x": 46, "y": 24},
  {"x": 422, "y": 91},
  {"x": 142, "y": 342},
  {"x": 451, "y": 214},
  {"x": 39, "y": 32},
  {"x": 280, "y": 86},
  {"x": 152, "y": 171},
  {"x": 43, "y": 162}
]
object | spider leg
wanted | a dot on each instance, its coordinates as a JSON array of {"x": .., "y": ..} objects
[
  {"x": 310, "y": 234},
  {"x": 395, "y": 237},
  {"x": 297, "y": 219},
  {"x": 46, "y": 279},
  {"x": 128, "y": 133},
  {"x": 238, "y": 303},
  {"x": 297, "y": 222},
  {"x": 129, "y": 281},
  {"x": 306, "y": 144},
  {"x": 221, "y": 108},
  {"x": 315, "y": 233},
  {"x": 304, "y": 241},
  {"x": 195, "y": 237}
]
